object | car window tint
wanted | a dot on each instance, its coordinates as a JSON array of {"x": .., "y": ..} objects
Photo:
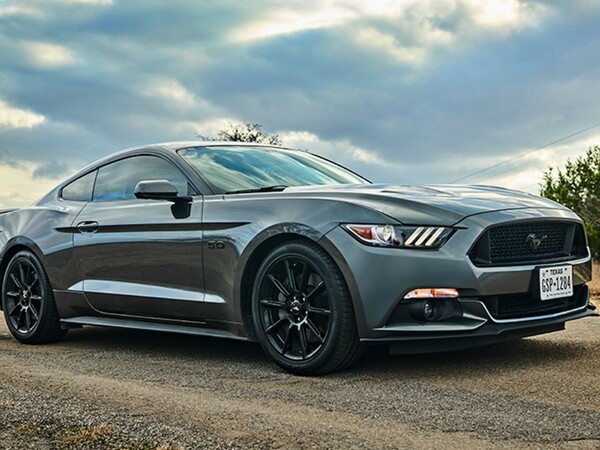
[
  {"x": 232, "y": 168},
  {"x": 81, "y": 189},
  {"x": 117, "y": 181}
]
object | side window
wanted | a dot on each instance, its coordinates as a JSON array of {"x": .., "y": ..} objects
[
  {"x": 81, "y": 189},
  {"x": 117, "y": 181}
]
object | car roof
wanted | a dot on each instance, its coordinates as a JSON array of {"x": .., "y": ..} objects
[
  {"x": 174, "y": 146},
  {"x": 178, "y": 145}
]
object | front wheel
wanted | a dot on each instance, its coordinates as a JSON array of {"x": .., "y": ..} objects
[
  {"x": 302, "y": 311},
  {"x": 28, "y": 301}
]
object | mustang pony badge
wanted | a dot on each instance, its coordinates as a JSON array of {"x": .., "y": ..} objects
[{"x": 535, "y": 240}]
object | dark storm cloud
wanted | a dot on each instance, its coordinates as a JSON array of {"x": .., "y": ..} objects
[
  {"x": 51, "y": 169},
  {"x": 133, "y": 72},
  {"x": 7, "y": 158}
]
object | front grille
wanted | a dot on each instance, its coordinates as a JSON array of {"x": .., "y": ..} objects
[
  {"x": 531, "y": 241},
  {"x": 514, "y": 306},
  {"x": 509, "y": 243}
]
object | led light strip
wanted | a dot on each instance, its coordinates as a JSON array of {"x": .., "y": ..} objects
[
  {"x": 433, "y": 238},
  {"x": 413, "y": 236},
  {"x": 424, "y": 237}
]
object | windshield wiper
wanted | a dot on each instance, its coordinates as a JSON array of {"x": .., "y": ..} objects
[{"x": 274, "y": 188}]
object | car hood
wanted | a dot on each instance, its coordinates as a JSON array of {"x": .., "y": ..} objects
[{"x": 432, "y": 204}]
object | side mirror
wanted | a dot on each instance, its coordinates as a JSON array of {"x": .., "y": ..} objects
[{"x": 159, "y": 190}]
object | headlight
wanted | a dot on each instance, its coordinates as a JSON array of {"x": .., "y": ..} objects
[{"x": 400, "y": 236}]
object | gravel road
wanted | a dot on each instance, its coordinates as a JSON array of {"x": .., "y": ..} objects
[{"x": 103, "y": 388}]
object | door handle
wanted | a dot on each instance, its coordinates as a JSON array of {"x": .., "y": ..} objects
[{"x": 87, "y": 227}]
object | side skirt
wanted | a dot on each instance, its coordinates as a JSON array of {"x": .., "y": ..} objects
[{"x": 148, "y": 326}]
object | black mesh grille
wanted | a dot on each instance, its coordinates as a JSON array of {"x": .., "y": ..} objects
[
  {"x": 527, "y": 242},
  {"x": 511, "y": 242},
  {"x": 524, "y": 305}
]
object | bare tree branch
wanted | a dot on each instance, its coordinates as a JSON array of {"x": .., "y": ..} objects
[{"x": 243, "y": 132}]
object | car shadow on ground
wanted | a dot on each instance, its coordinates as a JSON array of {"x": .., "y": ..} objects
[
  {"x": 173, "y": 348},
  {"x": 507, "y": 357}
]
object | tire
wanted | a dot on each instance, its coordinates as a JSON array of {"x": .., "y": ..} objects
[
  {"x": 302, "y": 311},
  {"x": 28, "y": 301}
]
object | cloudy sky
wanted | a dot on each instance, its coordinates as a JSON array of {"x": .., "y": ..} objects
[{"x": 408, "y": 91}]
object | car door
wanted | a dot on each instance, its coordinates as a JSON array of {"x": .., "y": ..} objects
[{"x": 141, "y": 257}]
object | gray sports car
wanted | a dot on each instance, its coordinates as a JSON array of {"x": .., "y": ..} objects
[{"x": 281, "y": 246}]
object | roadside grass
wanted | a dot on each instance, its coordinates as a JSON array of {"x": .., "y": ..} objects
[
  {"x": 102, "y": 436},
  {"x": 85, "y": 436},
  {"x": 148, "y": 447}
]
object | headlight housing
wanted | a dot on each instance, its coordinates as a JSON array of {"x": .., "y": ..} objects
[{"x": 400, "y": 236}]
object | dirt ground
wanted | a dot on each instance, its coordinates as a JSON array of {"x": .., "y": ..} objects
[
  {"x": 104, "y": 388},
  {"x": 595, "y": 284}
]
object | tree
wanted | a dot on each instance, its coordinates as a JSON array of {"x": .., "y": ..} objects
[
  {"x": 243, "y": 132},
  {"x": 578, "y": 187}
]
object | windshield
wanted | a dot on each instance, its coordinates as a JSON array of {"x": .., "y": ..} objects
[{"x": 230, "y": 168}]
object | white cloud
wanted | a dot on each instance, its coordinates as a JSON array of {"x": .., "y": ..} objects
[
  {"x": 503, "y": 13},
  {"x": 80, "y": 2},
  {"x": 11, "y": 117},
  {"x": 340, "y": 150},
  {"x": 209, "y": 127},
  {"x": 287, "y": 20},
  {"x": 386, "y": 43},
  {"x": 46, "y": 55},
  {"x": 419, "y": 19},
  {"x": 301, "y": 15},
  {"x": 527, "y": 172},
  {"x": 26, "y": 193},
  {"x": 170, "y": 90},
  {"x": 19, "y": 10}
]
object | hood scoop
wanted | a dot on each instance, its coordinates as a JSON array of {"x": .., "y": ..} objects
[{"x": 414, "y": 191}]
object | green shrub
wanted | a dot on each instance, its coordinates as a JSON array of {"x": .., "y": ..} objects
[{"x": 577, "y": 186}]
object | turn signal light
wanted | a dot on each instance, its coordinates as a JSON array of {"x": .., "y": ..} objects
[{"x": 432, "y": 293}]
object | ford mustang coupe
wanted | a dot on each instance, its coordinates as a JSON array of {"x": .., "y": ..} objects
[{"x": 313, "y": 261}]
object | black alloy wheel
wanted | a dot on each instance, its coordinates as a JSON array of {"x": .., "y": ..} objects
[
  {"x": 27, "y": 301},
  {"x": 302, "y": 310},
  {"x": 296, "y": 312}
]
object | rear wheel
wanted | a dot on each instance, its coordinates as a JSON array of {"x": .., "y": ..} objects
[
  {"x": 302, "y": 311},
  {"x": 28, "y": 301}
]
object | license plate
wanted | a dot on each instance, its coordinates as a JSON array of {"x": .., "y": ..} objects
[{"x": 556, "y": 282}]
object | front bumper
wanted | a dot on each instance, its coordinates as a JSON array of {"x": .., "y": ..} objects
[
  {"x": 379, "y": 278},
  {"x": 490, "y": 333}
]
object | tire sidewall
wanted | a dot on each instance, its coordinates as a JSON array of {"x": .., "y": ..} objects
[{"x": 43, "y": 283}]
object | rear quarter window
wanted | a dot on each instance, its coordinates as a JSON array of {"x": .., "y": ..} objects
[{"x": 81, "y": 189}]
